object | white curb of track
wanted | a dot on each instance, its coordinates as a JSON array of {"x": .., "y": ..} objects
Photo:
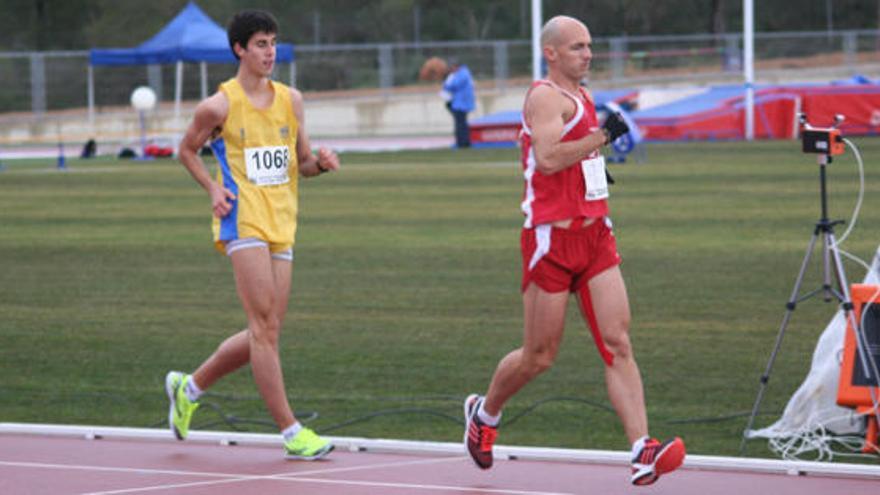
[{"x": 353, "y": 444}]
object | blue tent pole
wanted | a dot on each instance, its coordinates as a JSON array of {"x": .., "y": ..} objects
[{"x": 178, "y": 88}]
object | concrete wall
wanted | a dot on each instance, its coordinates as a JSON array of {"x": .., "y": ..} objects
[
  {"x": 368, "y": 113},
  {"x": 400, "y": 115},
  {"x": 326, "y": 115}
]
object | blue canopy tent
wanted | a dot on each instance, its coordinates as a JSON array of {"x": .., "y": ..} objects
[{"x": 191, "y": 36}]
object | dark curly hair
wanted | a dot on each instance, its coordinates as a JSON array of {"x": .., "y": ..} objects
[{"x": 244, "y": 24}]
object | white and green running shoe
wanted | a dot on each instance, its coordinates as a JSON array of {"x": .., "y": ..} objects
[
  {"x": 307, "y": 446},
  {"x": 180, "y": 409}
]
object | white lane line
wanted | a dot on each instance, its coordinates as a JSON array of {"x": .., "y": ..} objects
[
  {"x": 372, "y": 466},
  {"x": 283, "y": 477},
  {"x": 280, "y": 476},
  {"x": 370, "y": 484},
  {"x": 178, "y": 485},
  {"x": 80, "y": 467},
  {"x": 448, "y": 488}
]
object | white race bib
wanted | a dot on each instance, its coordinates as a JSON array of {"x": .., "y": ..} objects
[
  {"x": 267, "y": 165},
  {"x": 595, "y": 179}
]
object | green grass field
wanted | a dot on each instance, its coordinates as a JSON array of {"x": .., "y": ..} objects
[{"x": 405, "y": 293}]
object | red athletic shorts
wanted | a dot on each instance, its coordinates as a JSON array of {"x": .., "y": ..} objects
[
  {"x": 559, "y": 259},
  {"x": 566, "y": 259}
]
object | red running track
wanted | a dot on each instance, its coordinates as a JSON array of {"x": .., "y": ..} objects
[{"x": 32, "y": 464}]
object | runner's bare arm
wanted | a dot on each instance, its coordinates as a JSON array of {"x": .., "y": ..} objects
[
  {"x": 210, "y": 115},
  {"x": 546, "y": 110},
  {"x": 309, "y": 164}
]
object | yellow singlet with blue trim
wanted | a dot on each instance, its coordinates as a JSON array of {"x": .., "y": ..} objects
[{"x": 256, "y": 151}]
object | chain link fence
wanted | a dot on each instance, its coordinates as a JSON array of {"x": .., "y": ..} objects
[{"x": 38, "y": 82}]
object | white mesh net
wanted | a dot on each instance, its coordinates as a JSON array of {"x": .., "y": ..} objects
[{"x": 812, "y": 425}]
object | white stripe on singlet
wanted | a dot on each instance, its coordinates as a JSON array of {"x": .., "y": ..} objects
[
  {"x": 532, "y": 163},
  {"x": 578, "y": 113},
  {"x": 529, "y": 172}
]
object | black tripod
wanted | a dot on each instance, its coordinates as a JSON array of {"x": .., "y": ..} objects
[{"x": 830, "y": 260}]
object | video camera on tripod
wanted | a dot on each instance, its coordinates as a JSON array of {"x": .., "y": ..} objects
[
  {"x": 822, "y": 140},
  {"x": 857, "y": 380}
]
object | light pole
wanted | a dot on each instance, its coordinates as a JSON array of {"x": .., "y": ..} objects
[
  {"x": 143, "y": 99},
  {"x": 749, "y": 66},
  {"x": 537, "y": 20}
]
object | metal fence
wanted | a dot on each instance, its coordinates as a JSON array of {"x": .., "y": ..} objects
[{"x": 42, "y": 81}]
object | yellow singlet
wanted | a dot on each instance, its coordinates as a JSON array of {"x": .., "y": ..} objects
[{"x": 256, "y": 151}]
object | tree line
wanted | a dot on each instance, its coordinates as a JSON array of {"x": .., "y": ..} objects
[{"x": 83, "y": 24}]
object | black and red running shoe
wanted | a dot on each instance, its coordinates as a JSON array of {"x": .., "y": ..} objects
[
  {"x": 478, "y": 436},
  {"x": 655, "y": 459}
]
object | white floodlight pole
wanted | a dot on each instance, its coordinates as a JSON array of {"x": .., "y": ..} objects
[
  {"x": 536, "y": 39},
  {"x": 749, "y": 66},
  {"x": 143, "y": 99},
  {"x": 90, "y": 96}
]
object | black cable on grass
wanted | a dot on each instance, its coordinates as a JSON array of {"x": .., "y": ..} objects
[
  {"x": 528, "y": 410},
  {"x": 236, "y": 423},
  {"x": 233, "y": 421},
  {"x": 717, "y": 419},
  {"x": 392, "y": 412}
]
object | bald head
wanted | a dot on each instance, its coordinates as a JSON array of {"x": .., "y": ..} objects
[{"x": 556, "y": 29}]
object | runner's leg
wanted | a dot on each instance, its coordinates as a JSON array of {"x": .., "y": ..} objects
[
  {"x": 261, "y": 296},
  {"x": 234, "y": 352},
  {"x": 544, "y": 315},
  {"x": 622, "y": 379}
]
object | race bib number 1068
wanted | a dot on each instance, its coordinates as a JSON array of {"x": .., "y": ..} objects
[{"x": 267, "y": 165}]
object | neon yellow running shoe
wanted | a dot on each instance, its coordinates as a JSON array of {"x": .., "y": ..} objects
[
  {"x": 180, "y": 409},
  {"x": 307, "y": 446}
]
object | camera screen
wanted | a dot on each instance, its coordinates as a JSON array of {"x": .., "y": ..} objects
[{"x": 816, "y": 141}]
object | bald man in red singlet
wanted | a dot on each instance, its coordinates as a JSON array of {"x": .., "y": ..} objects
[{"x": 568, "y": 247}]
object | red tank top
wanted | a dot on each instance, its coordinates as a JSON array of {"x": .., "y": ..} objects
[{"x": 547, "y": 198}]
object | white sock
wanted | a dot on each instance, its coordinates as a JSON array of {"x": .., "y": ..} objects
[
  {"x": 638, "y": 444},
  {"x": 290, "y": 432},
  {"x": 485, "y": 417},
  {"x": 192, "y": 390}
]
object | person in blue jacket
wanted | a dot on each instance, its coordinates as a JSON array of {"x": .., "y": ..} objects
[{"x": 458, "y": 91}]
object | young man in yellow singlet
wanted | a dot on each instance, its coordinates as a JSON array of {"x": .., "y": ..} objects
[{"x": 257, "y": 132}]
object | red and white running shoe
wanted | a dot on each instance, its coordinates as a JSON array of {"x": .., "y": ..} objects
[
  {"x": 478, "y": 436},
  {"x": 655, "y": 459}
]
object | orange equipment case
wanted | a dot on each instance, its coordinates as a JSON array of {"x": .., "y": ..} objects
[{"x": 854, "y": 389}]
